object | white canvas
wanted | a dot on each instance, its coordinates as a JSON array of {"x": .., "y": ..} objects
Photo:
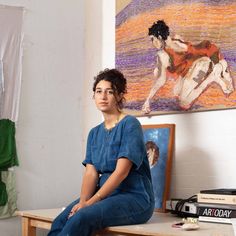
[{"x": 11, "y": 19}]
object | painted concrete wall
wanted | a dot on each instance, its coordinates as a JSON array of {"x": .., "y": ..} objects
[{"x": 50, "y": 125}]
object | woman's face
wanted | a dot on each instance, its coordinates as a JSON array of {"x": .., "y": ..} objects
[
  {"x": 157, "y": 43},
  {"x": 151, "y": 156},
  {"x": 105, "y": 97}
]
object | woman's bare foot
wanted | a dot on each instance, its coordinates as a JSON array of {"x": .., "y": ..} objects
[{"x": 146, "y": 108}]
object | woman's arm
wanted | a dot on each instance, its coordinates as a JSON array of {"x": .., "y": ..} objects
[
  {"x": 89, "y": 183},
  {"x": 159, "y": 78},
  {"x": 123, "y": 167},
  {"x": 178, "y": 44}
]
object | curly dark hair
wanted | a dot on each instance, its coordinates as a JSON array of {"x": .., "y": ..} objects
[
  {"x": 159, "y": 28},
  {"x": 151, "y": 145},
  {"x": 117, "y": 80}
]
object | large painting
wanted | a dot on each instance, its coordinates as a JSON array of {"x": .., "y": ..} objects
[
  {"x": 178, "y": 56},
  {"x": 159, "y": 142}
]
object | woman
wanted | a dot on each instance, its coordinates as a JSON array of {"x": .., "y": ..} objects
[
  {"x": 116, "y": 187},
  {"x": 194, "y": 67}
]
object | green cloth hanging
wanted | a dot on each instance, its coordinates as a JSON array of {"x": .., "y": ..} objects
[
  {"x": 8, "y": 154},
  {"x": 9, "y": 209},
  {"x": 3, "y": 192}
]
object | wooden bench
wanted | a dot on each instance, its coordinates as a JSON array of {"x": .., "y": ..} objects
[{"x": 159, "y": 225}]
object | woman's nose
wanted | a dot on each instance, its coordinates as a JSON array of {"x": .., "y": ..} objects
[{"x": 104, "y": 95}]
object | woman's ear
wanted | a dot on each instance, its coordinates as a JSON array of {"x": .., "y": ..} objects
[{"x": 120, "y": 97}]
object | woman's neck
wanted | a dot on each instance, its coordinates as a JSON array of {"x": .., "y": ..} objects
[{"x": 111, "y": 120}]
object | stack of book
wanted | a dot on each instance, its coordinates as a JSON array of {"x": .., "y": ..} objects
[{"x": 216, "y": 205}]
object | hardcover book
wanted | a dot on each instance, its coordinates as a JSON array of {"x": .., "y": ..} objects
[
  {"x": 227, "y": 191},
  {"x": 214, "y": 219},
  {"x": 216, "y": 198},
  {"x": 219, "y": 211},
  {"x": 221, "y": 206}
]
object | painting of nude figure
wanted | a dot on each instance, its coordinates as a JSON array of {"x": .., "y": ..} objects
[{"x": 178, "y": 56}]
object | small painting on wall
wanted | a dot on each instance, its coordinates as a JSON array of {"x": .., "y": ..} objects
[
  {"x": 159, "y": 142},
  {"x": 178, "y": 56}
]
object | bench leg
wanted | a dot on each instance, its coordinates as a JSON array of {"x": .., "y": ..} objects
[{"x": 27, "y": 229}]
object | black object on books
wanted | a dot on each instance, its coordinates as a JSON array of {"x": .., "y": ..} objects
[
  {"x": 223, "y": 191},
  {"x": 179, "y": 207}
]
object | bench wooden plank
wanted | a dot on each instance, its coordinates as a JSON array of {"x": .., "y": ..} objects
[
  {"x": 40, "y": 224},
  {"x": 159, "y": 225},
  {"x": 42, "y": 214}
]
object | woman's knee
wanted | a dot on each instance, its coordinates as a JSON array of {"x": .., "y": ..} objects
[
  {"x": 88, "y": 215},
  {"x": 81, "y": 224}
]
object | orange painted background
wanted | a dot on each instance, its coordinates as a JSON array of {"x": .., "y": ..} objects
[{"x": 193, "y": 22}]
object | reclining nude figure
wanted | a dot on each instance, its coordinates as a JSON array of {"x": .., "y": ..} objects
[{"x": 194, "y": 67}]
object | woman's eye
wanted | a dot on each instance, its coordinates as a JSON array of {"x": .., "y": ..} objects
[
  {"x": 110, "y": 92},
  {"x": 98, "y": 91}
]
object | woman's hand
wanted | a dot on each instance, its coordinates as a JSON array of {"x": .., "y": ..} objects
[{"x": 76, "y": 207}]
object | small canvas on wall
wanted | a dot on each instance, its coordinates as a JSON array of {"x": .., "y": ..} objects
[
  {"x": 178, "y": 56},
  {"x": 159, "y": 142}
]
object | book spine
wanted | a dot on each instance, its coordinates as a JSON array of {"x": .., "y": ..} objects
[
  {"x": 212, "y": 205},
  {"x": 216, "y": 198},
  {"x": 216, "y": 212},
  {"x": 214, "y": 219}
]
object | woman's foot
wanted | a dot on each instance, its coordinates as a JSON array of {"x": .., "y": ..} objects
[{"x": 146, "y": 107}]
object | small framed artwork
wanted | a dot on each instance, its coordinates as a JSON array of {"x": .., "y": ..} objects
[{"x": 159, "y": 142}]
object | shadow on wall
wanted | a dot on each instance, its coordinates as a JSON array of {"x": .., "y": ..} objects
[
  {"x": 192, "y": 172},
  {"x": 192, "y": 168}
]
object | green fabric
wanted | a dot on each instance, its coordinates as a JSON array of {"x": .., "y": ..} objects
[
  {"x": 8, "y": 155},
  {"x": 8, "y": 210},
  {"x": 3, "y": 194}
]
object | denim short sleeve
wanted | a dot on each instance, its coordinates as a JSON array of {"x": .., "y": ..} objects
[
  {"x": 88, "y": 157},
  {"x": 132, "y": 143}
]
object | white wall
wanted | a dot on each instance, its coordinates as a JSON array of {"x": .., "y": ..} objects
[
  {"x": 205, "y": 141},
  {"x": 50, "y": 126},
  {"x": 93, "y": 59}
]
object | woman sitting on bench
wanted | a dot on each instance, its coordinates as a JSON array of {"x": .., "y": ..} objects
[{"x": 116, "y": 187}]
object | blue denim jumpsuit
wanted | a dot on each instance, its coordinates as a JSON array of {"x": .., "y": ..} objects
[{"x": 132, "y": 202}]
